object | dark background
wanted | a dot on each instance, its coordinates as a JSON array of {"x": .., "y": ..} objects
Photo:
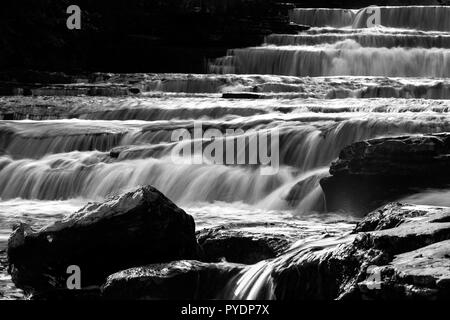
[{"x": 141, "y": 35}]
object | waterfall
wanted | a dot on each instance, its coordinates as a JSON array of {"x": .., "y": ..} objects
[
  {"x": 260, "y": 281},
  {"x": 408, "y": 17},
  {"x": 62, "y": 168},
  {"x": 377, "y": 38},
  {"x": 321, "y": 17},
  {"x": 409, "y": 41},
  {"x": 345, "y": 57},
  {"x": 411, "y": 17},
  {"x": 316, "y": 91}
]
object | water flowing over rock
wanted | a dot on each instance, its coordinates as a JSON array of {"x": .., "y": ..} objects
[
  {"x": 408, "y": 41},
  {"x": 326, "y": 87},
  {"x": 405, "y": 260},
  {"x": 370, "y": 173},
  {"x": 322, "y": 17},
  {"x": 373, "y": 37},
  {"x": 135, "y": 228},
  {"x": 345, "y": 57},
  {"x": 247, "y": 243},
  {"x": 415, "y": 17}
]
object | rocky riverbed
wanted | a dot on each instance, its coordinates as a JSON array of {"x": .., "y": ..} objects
[
  {"x": 372, "y": 102},
  {"x": 139, "y": 245}
]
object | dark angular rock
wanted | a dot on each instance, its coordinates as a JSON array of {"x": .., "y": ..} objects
[
  {"x": 371, "y": 173},
  {"x": 241, "y": 95},
  {"x": 135, "y": 228},
  {"x": 178, "y": 280},
  {"x": 247, "y": 243}
]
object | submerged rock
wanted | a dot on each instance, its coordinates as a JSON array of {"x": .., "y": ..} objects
[
  {"x": 174, "y": 280},
  {"x": 133, "y": 229},
  {"x": 371, "y": 173}
]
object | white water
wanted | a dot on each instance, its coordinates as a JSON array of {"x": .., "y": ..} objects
[
  {"x": 411, "y": 17},
  {"x": 346, "y": 57},
  {"x": 322, "y": 17},
  {"x": 369, "y": 83},
  {"x": 411, "y": 42},
  {"x": 407, "y": 42}
]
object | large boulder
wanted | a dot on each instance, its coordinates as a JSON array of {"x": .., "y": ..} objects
[
  {"x": 371, "y": 173},
  {"x": 136, "y": 228}
]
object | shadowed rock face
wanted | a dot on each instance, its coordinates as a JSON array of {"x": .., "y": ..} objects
[
  {"x": 175, "y": 280},
  {"x": 155, "y": 35},
  {"x": 135, "y": 228},
  {"x": 373, "y": 172}
]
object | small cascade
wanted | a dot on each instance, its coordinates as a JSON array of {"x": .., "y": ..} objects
[
  {"x": 409, "y": 41},
  {"x": 35, "y": 139},
  {"x": 307, "y": 143},
  {"x": 365, "y": 37},
  {"x": 73, "y": 175},
  {"x": 408, "y": 17},
  {"x": 262, "y": 281},
  {"x": 322, "y": 17},
  {"x": 342, "y": 58}
]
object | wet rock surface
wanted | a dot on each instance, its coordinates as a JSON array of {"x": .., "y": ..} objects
[
  {"x": 180, "y": 280},
  {"x": 136, "y": 228},
  {"x": 399, "y": 251},
  {"x": 403, "y": 253},
  {"x": 404, "y": 259},
  {"x": 247, "y": 243},
  {"x": 373, "y": 172}
]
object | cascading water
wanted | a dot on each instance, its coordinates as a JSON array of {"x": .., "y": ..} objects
[
  {"x": 372, "y": 38},
  {"x": 322, "y": 17},
  {"x": 411, "y": 17},
  {"x": 345, "y": 57},
  {"x": 419, "y": 49},
  {"x": 408, "y": 42},
  {"x": 320, "y": 90}
]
